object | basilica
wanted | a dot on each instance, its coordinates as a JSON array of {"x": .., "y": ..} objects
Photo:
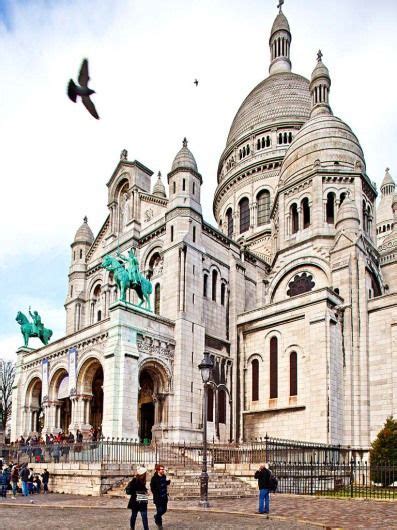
[{"x": 293, "y": 294}]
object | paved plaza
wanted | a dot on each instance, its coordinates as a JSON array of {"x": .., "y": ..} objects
[{"x": 58, "y": 511}]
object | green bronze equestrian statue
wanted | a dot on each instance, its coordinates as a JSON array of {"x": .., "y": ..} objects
[
  {"x": 129, "y": 276},
  {"x": 33, "y": 329}
]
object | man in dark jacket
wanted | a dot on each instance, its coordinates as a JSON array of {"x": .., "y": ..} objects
[
  {"x": 263, "y": 476},
  {"x": 24, "y": 475},
  {"x": 158, "y": 486}
]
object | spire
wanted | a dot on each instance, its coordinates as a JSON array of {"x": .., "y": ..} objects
[
  {"x": 159, "y": 189},
  {"x": 280, "y": 42},
  {"x": 184, "y": 143},
  {"x": 388, "y": 185},
  {"x": 319, "y": 88}
]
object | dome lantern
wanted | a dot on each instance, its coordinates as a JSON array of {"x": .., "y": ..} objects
[
  {"x": 319, "y": 88},
  {"x": 280, "y": 43},
  {"x": 388, "y": 185},
  {"x": 159, "y": 188}
]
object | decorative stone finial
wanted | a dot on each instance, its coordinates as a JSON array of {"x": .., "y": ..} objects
[
  {"x": 159, "y": 174},
  {"x": 123, "y": 154},
  {"x": 387, "y": 169},
  {"x": 85, "y": 219},
  {"x": 184, "y": 143},
  {"x": 319, "y": 55},
  {"x": 280, "y": 5}
]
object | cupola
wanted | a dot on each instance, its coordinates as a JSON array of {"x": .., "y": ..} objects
[
  {"x": 159, "y": 188},
  {"x": 280, "y": 43},
  {"x": 347, "y": 218},
  {"x": 319, "y": 88}
]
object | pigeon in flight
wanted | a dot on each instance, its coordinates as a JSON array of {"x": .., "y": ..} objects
[
  {"x": 195, "y": 82},
  {"x": 82, "y": 90}
]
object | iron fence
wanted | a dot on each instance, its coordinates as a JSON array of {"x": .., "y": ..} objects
[{"x": 301, "y": 467}]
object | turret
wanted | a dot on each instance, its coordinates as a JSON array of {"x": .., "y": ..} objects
[
  {"x": 280, "y": 43},
  {"x": 319, "y": 88},
  {"x": 184, "y": 181}
]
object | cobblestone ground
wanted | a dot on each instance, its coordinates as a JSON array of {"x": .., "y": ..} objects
[
  {"x": 86, "y": 519},
  {"x": 57, "y": 511}
]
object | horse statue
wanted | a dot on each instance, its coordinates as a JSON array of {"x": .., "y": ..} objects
[
  {"x": 125, "y": 279},
  {"x": 29, "y": 329}
]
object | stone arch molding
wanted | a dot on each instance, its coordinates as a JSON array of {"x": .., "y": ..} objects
[
  {"x": 54, "y": 380},
  {"x": 157, "y": 246},
  {"x": 160, "y": 371},
  {"x": 87, "y": 365},
  {"x": 118, "y": 183},
  {"x": 29, "y": 394},
  {"x": 253, "y": 356},
  {"x": 300, "y": 263}
]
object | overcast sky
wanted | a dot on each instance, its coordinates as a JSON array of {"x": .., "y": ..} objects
[{"x": 55, "y": 159}]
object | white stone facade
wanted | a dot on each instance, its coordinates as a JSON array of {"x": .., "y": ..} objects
[{"x": 294, "y": 294}]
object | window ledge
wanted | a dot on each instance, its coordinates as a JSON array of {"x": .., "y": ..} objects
[{"x": 276, "y": 409}]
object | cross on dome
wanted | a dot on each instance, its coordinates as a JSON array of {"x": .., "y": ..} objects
[
  {"x": 184, "y": 143},
  {"x": 319, "y": 55},
  {"x": 280, "y": 5}
]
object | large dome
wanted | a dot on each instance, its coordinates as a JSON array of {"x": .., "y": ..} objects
[
  {"x": 278, "y": 98},
  {"x": 324, "y": 141}
]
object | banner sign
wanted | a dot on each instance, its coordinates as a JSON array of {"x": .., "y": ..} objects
[
  {"x": 44, "y": 379},
  {"x": 72, "y": 371}
]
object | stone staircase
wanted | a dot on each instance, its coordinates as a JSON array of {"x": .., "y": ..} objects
[{"x": 185, "y": 484}]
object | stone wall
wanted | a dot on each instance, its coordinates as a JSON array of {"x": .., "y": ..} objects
[{"x": 83, "y": 479}]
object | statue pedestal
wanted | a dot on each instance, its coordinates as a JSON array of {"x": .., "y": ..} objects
[{"x": 25, "y": 350}]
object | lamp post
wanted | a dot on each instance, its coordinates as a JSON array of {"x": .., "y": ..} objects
[{"x": 205, "y": 369}]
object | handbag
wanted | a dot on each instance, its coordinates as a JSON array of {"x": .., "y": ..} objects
[{"x": 142, "y": 497}]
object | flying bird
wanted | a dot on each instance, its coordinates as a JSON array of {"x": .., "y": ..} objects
[
  {"x": 195, "y": 82},
  {"x": 82, "y": 90}
]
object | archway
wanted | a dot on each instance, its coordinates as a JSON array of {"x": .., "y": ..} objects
[
  {"x": 96, "y": 412},
  {"x": 65, "y": 405},
  {"x": 35, "y": 417},
  {"x": 146, "y": 405}
]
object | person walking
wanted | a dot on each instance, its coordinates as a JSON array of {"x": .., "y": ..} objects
[
  {"x": 3, "y": 484},
  {"x": 263, "y": 475},
  {"x": 14, "y": 480},
  {"x": 139, "y": 497},
  {"x": 158, "y": 486},
  {"x": 45, "y": 477}
]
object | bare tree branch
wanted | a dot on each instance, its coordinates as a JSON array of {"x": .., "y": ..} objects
[{"x": 7, "y": 374}]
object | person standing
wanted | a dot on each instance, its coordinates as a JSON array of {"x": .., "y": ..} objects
[
  {"x": 158, "y": 486},
  {"x": 24, "y": 474},
  {"x": 14, "y": 480},
  {"x": 139, "y": 497},
  {"x": 263, "y": 475},
  {"x": 46, "y": 477}
]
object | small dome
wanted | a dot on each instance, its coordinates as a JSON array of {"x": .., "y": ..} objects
[
  {"x": 280, "y": 23},
  {"x": 324, "y": 141},
  {"x": 347, "y": 214},
  {"x": 159, "y": 189},
  {"x": 84, "y": 233},
  {"x": 320, "y": 69},
  {"x": 184, "y": 159},
  {"x": 387, "y": 179}
]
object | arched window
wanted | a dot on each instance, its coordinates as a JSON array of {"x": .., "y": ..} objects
[
  {"x": 293, "y": 374},
  {"x": 229, "y": 217},
  {"x": 331, "y": 208},
  {"x": 342, "y": 198},
  {"x": 157, "y": 299},
  {"x": 285, "y": 138},
  {"x": 222, "y": 406},
  {"x": 294, "y": 218},
  {"x": 205, "y": 285},
  {"x": 81, "y": 254},
  {"x": 268, "y": 142},
  {"x": 99, "y": 316},
  {"x": 263, "y": 201},
  {"x": 244, "y": 215},
  {"x": 258, "y": 143},
  {"x": 280, "y": 138},
  {"x": 214, "y": 282},
  {"x": 183, "y": 184},
  {"x": 306, "y": 212},
  {"x": 243, "y": 151},
  {"x": 290, "y": 137},
  {"x": 194, "y": 188},
  {"x": 174, "y": 186},
  {"x": 223, "y": 291},
  {"x": 194, "y": 234},
  {"x": 273, "y": 368},
  {"x": 255, "y": 379},
  {"x": 210, "y": 404},
  {"x": 248, "y": 149},
  {"x": 74, "y": 255},
  {"x": 172, "y": 233},
  {"x": 263, "y": 143}
]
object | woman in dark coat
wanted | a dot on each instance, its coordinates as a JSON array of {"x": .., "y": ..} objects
[{"x": 139, "y": 497}]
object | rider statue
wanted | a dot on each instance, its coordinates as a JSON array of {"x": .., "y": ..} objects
[
  {"x": 38, "y": 326},
  {"x": 132, "y": 265}
]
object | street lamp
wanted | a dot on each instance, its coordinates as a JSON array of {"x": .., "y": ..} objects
[{"x": 205, "y": 368}]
